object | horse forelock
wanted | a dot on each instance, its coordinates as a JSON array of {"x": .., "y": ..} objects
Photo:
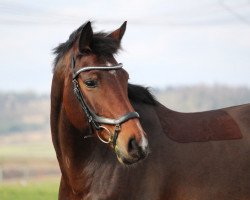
[{"x": 101, "y": 45}]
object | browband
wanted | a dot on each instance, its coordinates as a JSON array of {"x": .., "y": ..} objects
[{"x": 88, "y": 68}]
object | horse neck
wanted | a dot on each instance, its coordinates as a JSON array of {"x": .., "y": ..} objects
[
  {"x": 83, "y": 160},
  {"x": 79, "y": 158}
]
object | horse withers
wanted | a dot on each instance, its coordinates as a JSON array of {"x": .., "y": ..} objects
[{"x": 94, "y": 111}]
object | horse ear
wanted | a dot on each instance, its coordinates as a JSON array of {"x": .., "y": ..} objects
[
  {"x": 85, "y": 38},
  {"x": 118, "y": 34}
]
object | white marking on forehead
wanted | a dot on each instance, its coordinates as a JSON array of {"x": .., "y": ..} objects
[
  {"x": 109, "y": 64},
  {"x": 113, "y": 72}
]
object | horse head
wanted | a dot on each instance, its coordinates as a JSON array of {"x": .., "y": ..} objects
[{"x": 95, "y": 94}]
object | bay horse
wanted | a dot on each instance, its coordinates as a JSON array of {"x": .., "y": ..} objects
[{"x": 114, "y": 140}]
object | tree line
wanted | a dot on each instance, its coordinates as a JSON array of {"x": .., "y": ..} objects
[{"x": 27, "y": 111}]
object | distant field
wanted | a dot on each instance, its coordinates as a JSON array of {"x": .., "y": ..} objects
[
  {"x": 26, "y": 151},
  {"x": 27, "y": 156},
  {"x": 23, "y": 146},
  {"x": 33, "y": 190}
]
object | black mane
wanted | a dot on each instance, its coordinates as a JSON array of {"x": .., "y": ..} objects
[
  {"x": 140, "y": 94},
  {"x": 100, "y": 45}
]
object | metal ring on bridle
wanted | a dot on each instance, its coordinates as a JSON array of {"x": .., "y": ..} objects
[{"x": 109, "y": 133}]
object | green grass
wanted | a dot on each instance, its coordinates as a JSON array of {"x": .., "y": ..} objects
[{"x": 39, "y": 190}]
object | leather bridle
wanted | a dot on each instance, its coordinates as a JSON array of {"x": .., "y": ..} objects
[{"x": 94, "y": 120}]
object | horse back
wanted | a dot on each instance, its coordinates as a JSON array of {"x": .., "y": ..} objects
[
  {"x": 223, "y": 124},
  {"x": 206, "y": 168}
]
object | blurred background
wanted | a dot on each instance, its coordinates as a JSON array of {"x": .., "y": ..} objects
[{"x": 194, "y": 55}]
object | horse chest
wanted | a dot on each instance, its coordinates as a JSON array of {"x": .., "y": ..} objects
[{"x": 118, "y": 182}]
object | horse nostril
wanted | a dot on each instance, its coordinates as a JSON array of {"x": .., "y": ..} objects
[
  {"x": 135, "y": 150},
  {"x": 132, "y": 146}
]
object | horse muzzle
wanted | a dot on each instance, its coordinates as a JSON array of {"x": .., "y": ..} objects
[{"x": 136, "y": 152}]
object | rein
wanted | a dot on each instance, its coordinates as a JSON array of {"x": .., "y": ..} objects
[{"x": 94, "y": 120}]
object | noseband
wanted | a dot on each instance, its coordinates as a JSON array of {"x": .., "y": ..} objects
[{"x": 93, "y": 118}]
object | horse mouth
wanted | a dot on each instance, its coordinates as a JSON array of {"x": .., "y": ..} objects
[{"x": 130, "y": 160}]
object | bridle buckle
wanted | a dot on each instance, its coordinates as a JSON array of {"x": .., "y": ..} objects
[{"x": 117, "y": 127}]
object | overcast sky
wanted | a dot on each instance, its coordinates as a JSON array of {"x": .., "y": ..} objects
[{"x": 167, "y": 43}]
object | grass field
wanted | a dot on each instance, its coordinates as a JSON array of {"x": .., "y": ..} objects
[{"x": 31, "y": 190}]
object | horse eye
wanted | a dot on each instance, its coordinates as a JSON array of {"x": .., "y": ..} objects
[{"x": 91, "y": 83}]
